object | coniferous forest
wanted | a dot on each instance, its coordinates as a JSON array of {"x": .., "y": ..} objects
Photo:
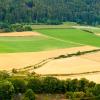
[{"x": 50, "y": 11}]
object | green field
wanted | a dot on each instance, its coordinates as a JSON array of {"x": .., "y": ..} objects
[
  {"x": 56, "y": 38},
  {"x": 73, "y": 35},
  {"x": 29, "y": 44}
]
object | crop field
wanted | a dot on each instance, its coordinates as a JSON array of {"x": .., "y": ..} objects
[
  {"x": 73, "y": 35},
  {"x": 23, "y": 49},
  {"x": 24, "y": 59},
  {"x": 48, "y": 40},
  {"x": 85, "y": 66},
  {"x": 31, "y": 44}
]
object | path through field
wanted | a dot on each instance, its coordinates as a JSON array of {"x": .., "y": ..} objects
[{"x": 9, "y": 61}]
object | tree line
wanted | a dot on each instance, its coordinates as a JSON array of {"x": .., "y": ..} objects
[
  {"x": 28, "y": 87},
  {"x": 50, "y": 11}
]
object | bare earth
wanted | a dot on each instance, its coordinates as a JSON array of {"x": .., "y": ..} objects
[
  {"x": 28, "y": 33},
  {"x": 9, "y": 61}
]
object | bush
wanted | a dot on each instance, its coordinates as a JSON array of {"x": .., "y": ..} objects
[
  {"x": 19, "y": 85},
  {"x": 4, "y": 75},
  {"x": 96, "y": 90},
  {"x": 6, "y": 90},
  {"x": 50, "y": 85},
  {"x": 27, "y": 28},
  {"x": 69, "y": 95},
  {"x": 29, "y": 95},
  {"x": 35, "y": 84}
]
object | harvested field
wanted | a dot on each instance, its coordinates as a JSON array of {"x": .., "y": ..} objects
[
  {"x": 85, "y": 66},
  {"x": 20, "y": 34},
  {"x": 92, "y": 77},
  {"x": 92, "y": 56},
  {"x": 69, "y": 66},
  {"x": 9, "y": 61}
]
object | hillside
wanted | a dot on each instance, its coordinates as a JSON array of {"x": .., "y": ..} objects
[{"x": 50, "y": 11}]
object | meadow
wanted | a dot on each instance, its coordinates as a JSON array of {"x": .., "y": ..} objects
[
  {"x": 30, "y": 44},
  {"x": 48, "y": 40},
  {"x": 73, "y": 35}
]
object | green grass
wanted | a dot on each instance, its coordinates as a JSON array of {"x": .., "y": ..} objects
[
  {"x": 56, "y": 38},
  {"x": 30, "y": 44},
  {"x": 73, "y": 35}
]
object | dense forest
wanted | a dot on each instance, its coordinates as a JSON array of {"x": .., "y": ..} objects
[{"x": 50, "y": 11}]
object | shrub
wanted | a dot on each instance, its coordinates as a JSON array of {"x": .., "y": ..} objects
[
  {"x": 6, "y": 90},
  {"x": 69, "y": 95},
  {"x": 29, "y": 95},
  {"x": 50, "y": 85},
  {"x": 35, "y": 84},
  {"x": 4, "y": 75},
  {"x": 19, "y": 85},
  {"x": 27, "y": 28}
]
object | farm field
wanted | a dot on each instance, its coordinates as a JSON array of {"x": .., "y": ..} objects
[
  {"x": 95, "y": 30},
  {"x": 32, "y": 43},
  {"x": 48, "y": 39},
  {"x": 73, "y": 35},
  {"x": 29, "y": 48},
  {"x": 85, "y": 66},
  {"x": 21, "y": 60}
]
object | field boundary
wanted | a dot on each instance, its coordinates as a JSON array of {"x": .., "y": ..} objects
[
  {"x": 31, "y": 68},
  {"x": 66, "y": 41},
  {"x": 73, "y": 74}
]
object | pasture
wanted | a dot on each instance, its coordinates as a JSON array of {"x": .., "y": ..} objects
[
  {"x": 73, "y": 35},
  {"x": 49, "y": 39},
  {"x": 31, "y": 44}
]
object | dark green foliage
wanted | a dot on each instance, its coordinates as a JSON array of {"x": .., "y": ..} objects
[
  {"x": 27, "y": 28},
  {"x": 19, "y": 85},
  {"x": 15, "y": 27},
  {"x": 73, "y": 89},
  {"x": 6, "y": 90},
  {"x": 35, "y": 84},
  {"x": 29, "y": 95},
  {"x": 72, "y": 85},
  {"x": 50, "y": 11},
  {"x": 96, "y": 90},
  {"x": 50, "y": 85},
  {"x": 3, "y": 25},
  {"x": 83, "y": 84}
]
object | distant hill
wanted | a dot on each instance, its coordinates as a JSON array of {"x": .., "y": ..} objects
[{"x": 50, "y": 11}]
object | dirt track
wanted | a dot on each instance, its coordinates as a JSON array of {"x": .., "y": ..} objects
[
  {"x": 28, "y": 33},
  {"x": 20, "y": 60}
]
